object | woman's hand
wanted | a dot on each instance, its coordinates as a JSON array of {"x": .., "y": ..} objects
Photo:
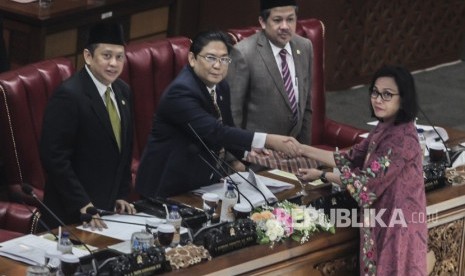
[{"x": 309, "y": 174}]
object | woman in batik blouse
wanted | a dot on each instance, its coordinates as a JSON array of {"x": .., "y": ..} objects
[{"x": 384, "y": 174}]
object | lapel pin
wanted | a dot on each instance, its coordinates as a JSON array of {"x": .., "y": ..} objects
[
  {"x": 123, "y": 102},
  {"x": 298, "y": 52},
  {"x": 221, "y": 98}
]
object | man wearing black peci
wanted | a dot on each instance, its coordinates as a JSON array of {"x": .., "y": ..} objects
[{"x": 86, "y": 142}]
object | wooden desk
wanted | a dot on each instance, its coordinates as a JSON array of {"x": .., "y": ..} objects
[
  {"x": 33, "y": 33},
  {"x": 325, "y": 253}
]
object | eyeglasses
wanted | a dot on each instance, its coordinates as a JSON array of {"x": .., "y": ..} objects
[
  {"x": 385, "y": 95},
  {"x": 213, "y": 60}
]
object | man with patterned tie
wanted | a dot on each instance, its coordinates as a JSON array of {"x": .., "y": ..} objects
[
  {"x": 194, "y": 107},
  {"x": 86, "y": 142},
  {"x": 270, "y": 75}
]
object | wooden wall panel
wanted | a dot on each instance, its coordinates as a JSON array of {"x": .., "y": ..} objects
[{"x": 360, "y": 34}]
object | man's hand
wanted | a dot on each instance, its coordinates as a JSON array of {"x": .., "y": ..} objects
[
  {"x": 238, "y": 166},
  {"x": 284, "y": 144},
  {"x": 122, "y": 206},
  {"x": 96, "y": 222}
]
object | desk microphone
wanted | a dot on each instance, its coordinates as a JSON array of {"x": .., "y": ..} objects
[
  {"x": 217, "y": 159},
  {"x": 88, "y": 217},
  {"x": 94, "y": 211},
  {"x": 449, "y": 163},
  {"x": 194, "y": 150},
  {"x": 16, "y": 197},
  {"x": 27, "y": 189}
]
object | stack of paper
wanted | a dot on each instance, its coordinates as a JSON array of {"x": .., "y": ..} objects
[
  {"x": 31, "y": 249},
  {"x": 266, "y": 185}
]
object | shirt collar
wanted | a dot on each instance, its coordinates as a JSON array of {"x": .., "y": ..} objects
[
  {"x": 277, "y": 49},
  {"x": 102, "y": 88},
  {"x": 211, "y": 89}
]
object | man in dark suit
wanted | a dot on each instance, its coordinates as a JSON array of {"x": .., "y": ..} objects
[
  {"x": 86, "y": 142},
  {"x": 197, "y": 103},
  {"x": 260, "y": 96}
]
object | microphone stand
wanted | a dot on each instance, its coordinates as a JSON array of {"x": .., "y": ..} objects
[
  {"x": 449, "y": 163},
  {"x": 232, "y": 181},
  {"x": 88, "y": 217},
  {"x": 27, "y": 189},
  {"x": 16, "y": 197},
  {"x": 225, "y": 163}
]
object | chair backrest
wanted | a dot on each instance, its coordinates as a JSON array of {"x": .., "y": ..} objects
[
  {"x": 313, "y": 29},
  {"x": 24, "y": 94},
  {"x": 149, "y": 69},
  {"x": 18, "y": 218}
]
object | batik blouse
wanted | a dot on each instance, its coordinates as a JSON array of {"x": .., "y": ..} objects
[{"x": 384, "y": 174}]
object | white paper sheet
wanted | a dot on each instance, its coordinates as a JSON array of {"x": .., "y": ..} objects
[
  {"x": 267, "y": 185},
  {"x": 121, "y": 230},
  {"x": 31, "y": 249},
  {"x": 284, "y": 174}
]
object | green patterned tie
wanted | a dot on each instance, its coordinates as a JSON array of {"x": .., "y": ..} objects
[{"x": 114, "y": 118}]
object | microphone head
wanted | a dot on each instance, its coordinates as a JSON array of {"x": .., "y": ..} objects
[
  {"x": 27, "y": 189},
  {"x": 91, "y": 210},
  {"x": 86, "y": 217}
]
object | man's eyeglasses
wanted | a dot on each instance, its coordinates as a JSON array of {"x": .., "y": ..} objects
[
  {"x": 385, "y": 95},
  {"x": 212, "y": 59}
]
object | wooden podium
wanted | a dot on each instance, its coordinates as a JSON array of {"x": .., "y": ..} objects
[{"x": 324, "y": 254}]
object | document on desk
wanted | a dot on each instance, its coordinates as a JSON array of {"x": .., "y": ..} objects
[
  {"x": 267, "y": 186},
  {"x": 30, "y": 249},
  {"x": 121, "y": 228}
]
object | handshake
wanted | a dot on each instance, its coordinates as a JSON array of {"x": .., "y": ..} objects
[{"x": 285, "y": 145}]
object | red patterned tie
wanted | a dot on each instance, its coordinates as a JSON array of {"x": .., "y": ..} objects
[
  {"x": 288, "y": 83},
  {"x": 275, "y": 161}
]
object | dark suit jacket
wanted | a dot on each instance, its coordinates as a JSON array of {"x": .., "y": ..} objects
[
  {"x": 170, "y": 163},
  {"x": 79, "y": 151},
  {"x": 259, "y": 101}
]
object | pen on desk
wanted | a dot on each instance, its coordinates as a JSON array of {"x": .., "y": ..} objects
[{"x": 59, "y": 234}]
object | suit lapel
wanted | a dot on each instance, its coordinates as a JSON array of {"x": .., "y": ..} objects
[{"x": 266, "y": 54}]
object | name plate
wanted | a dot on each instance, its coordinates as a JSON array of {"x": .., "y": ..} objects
[{"x": 227, "y": 237}]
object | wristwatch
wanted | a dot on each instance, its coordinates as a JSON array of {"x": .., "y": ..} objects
[{"x": 323, "y": 177}]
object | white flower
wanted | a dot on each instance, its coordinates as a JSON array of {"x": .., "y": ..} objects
[
  {"x": 272, "y": 235},
  {"x": 280, "y": 231},
  {"x": 271, "y": 223}
]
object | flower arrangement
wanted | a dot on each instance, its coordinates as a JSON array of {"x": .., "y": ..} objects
[{"x": 289, "y": 220}]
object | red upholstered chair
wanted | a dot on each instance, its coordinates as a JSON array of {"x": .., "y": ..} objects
[
  {"x": 326, "y": 133},
  {"x": 16, "y": 220},
  {"x": 150, "y": 67},
  {"x": 23, "y": 96}
]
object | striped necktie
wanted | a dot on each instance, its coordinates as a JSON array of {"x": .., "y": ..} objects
[
  {"x": 215, "y": 103},
  {"x": 222, "y": 152},
  {"x": 288, "y": 83},
  {"x": 114, "y": 118}
]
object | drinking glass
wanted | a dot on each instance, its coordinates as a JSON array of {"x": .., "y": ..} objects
[
  {"x": 165, "y": 234},
  {"x": 141, "y": 241},
  {"x": 37, "y": 270},
  {"x": 210, "y": 203},
  {"x": 242, "y": 210},
  {"x": 303, "y": 184}
]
